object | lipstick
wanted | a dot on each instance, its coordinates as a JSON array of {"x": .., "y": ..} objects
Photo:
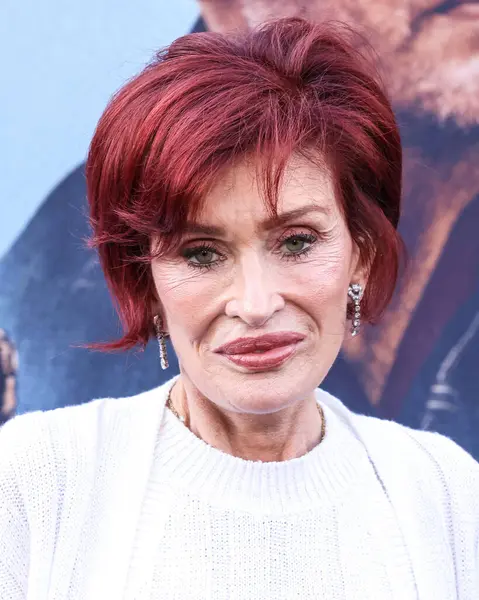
[{"x": 261, "y": 352}]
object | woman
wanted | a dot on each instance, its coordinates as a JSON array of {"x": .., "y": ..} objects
[{"x": 244, "y": 196}]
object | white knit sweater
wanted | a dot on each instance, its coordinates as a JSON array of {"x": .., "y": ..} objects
[{"x": 116, "y": 499}]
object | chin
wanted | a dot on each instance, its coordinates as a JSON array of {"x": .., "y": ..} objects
[
  {"x": 268, "y": 390},
  {"x": 266, "y": 396}
]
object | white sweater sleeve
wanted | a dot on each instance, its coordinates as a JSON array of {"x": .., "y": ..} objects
[
  {"x": 459, "y": 476},
  {"x": 17, "y": 439}
]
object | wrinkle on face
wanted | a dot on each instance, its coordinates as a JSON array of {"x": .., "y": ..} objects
[{"x": 314, "y": 288}]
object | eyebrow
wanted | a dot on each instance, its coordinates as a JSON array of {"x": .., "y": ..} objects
[{"x": 268, "y": 224}]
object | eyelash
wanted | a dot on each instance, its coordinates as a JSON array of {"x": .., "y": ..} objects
[
  {"x": 311, "y": 239},
  {"x": 303, "y": 237},
  {"x": 188, "y": 253}
]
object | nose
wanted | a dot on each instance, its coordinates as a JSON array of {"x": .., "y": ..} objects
[{"x": 255, "y": 298}]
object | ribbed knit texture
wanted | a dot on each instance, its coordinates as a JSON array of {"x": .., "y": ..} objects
[{"x": 117, "y": 499}]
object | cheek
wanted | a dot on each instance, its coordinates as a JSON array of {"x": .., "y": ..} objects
[
  {"x": 319, "y": 288},
  {"x": 324, "y": 278},
  {"x": 187, "y": 298}
]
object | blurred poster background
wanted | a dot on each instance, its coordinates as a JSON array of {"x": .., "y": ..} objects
[{"x": 420, "y": 366}]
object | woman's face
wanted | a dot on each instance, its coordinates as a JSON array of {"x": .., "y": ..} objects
[{"x": 240, "y": 275}]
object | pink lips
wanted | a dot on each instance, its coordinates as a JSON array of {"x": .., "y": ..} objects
[{"x": 263, "y": 352}]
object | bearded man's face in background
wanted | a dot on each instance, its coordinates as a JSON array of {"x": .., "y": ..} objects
[{"x": 429, "y": 48}]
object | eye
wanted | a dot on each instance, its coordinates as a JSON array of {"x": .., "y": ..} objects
[
  {"x": 294, "y": 244},
  {"x": 297, "y": 244},
  {"x": 202, "y": 256}
]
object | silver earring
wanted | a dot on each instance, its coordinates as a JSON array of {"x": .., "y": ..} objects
[
  {"x": 161, "y": 337},
  {"x": 355, "y": 292}
]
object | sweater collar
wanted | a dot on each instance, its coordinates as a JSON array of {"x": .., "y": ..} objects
[{"x": 322, "y": 475}]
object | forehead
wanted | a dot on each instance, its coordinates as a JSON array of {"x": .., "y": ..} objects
[{"x": 238, "y": 195}]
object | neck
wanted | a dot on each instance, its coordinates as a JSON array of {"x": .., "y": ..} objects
[{"x": 283, "y": 435}]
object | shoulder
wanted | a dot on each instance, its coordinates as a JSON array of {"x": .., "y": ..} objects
[
  {"x": 73, "y": 425},
  {"x": 52, "y": 463},
  {"x": 420, "y": 449},
  {"x": 41, "y": 446},
  {"x": 422, "y": 460},
  {"x": 429, "y": 480},
  {"x": 427, "y": 475},
  {"x": 454, "y": 472},
  {"x": 433, "y": 484}
]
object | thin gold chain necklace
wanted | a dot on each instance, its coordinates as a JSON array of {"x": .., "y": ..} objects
[{"x": 169, "y": 404}]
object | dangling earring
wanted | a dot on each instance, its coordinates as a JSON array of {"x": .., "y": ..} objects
[
  {"x": 161, "y": 337},
  {"x": 355, "y": 292}
]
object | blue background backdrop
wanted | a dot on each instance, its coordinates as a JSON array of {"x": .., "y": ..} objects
[{"x": 64, "y": 62}]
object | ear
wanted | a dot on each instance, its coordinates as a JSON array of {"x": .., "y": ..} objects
[
  {"x": 156, "y": 308},
  {"x": 359, "y": 272},
  {"x": 157, "y": 311}
]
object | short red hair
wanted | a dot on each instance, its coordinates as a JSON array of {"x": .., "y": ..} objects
[{"x": 206, "y": 101}]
